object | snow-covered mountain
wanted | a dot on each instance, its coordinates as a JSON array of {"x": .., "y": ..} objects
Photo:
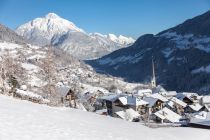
[
  {"x": 59, "y": 32},
  {"x": 121, "y": 39},
  {"x": 181, "y": 55},
  {"x": 41, "y": 30}
]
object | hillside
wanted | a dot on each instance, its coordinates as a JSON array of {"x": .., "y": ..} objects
[
  {"x": 8, "y": 35},
  {"x": 181, "y": 55},
  {"x": 29, "y": 65},
  {"x": 24, "y": 120}
]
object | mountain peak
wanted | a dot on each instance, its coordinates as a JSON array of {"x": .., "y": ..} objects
[
  {"x": 52, "y": 15},
  {"x": 41, "y": 30},
  {"x": 121, "y": 39}
]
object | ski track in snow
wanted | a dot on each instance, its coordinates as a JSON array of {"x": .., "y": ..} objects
[{"x": 22, "y": 120}]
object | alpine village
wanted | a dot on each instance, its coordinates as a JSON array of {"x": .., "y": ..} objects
[{"x": 60, "y": 81}]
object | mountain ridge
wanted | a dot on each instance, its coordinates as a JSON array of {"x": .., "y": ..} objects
[
  {"x": 180, "y": 54},
  {"x": 9, "y": 35}
]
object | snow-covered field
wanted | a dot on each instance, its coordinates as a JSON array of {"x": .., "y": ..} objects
[{"x": 22, "y": 120}]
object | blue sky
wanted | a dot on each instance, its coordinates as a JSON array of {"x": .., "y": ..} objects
[{"x": 127, "y": 17}]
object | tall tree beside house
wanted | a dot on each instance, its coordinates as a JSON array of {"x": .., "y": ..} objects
[{"x": 49, "y": 70}]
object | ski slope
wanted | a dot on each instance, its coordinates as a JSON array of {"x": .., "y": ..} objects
[{"x": 23, "y": 120}]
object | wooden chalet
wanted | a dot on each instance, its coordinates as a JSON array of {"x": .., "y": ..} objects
[
  {"x": 116, "y": 103},
  {"x": 177, "y": 105},
  {"x": 155, "y": 102},
  {"x": 68, "y": 96}
]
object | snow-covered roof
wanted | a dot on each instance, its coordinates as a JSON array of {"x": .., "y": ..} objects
[
  {"x": 194, "y": 97},
  {"x": 190, "y": 94},
  {"x": 160, "y": 97},
  {"x": 158, "y": 89},
  {"x": 201, "y": 115},
  {"x": 93, "y": 89},
  {"x": 150, "y": 100},
  {"x": 180, "y": 96},
  {"x": 167, "y": 114},
  {"x": 63, "y": 90},
  {"x": 135, "y": 101},
  {"x": 206, "y": 99},
  {"x": 207, "y": 106},
  {"x": 128, "y": 114},
  {"x": 196, "y": 106},
  {"x": 132, "y": 100},
  {"x": 171, "y": 104},
  {"x": 168, "y": 93},
  {"x": 143, "y": 92},
  {"x": 201, "y": 118},
  {"x": 123, "y": 100},
  {"x": 112, "y": 97},
  {"x": 177, "y": 101}
]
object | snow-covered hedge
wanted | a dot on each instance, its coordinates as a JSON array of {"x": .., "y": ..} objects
[{"x": 27, "y": 95}]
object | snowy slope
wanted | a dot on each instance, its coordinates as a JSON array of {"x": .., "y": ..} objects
[
  {"x": 21, "y": 120},
  {"x": 64, "y": 34}
]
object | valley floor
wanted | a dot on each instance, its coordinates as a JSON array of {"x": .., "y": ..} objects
[{"x": 23, "y": 120}]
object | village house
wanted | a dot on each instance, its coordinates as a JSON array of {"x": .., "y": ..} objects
[
  {"x": 135, "y": 103},
  {"x": 68, "y": 96},
  {"x": 90, "y": 100},
  {"x": 165, "y": 107},
  {"x": 188, "y": 97},
  {"x": 112, "y": 103},
  {"x": 122, "y": 102},
  {"x": 128, "y": 114},
  {"x": 156, "y": 102},
  {"x": 205, "y": 101},
  {"x": 177, "y": 105},
  {"x": 167, "y": 115},
  {"x": 195, "y": 107}
]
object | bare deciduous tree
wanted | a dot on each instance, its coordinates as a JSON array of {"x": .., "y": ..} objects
[
  {"x": 10, "y": 70},
  {"x": 49, "y": 70}
]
